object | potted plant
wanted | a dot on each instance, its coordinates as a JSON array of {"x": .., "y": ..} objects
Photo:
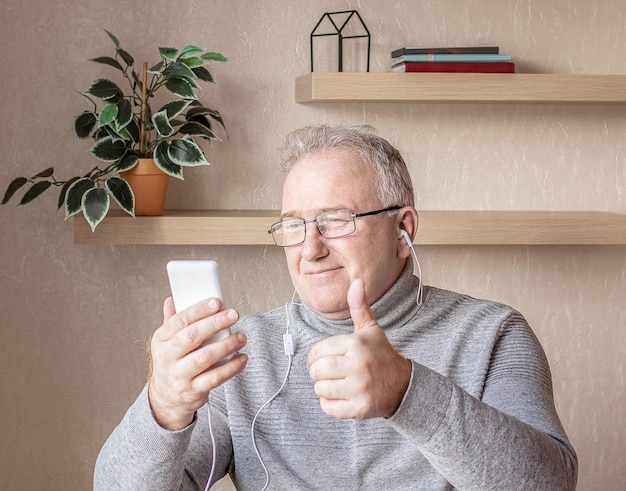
[{"x": 129, "y": 134}]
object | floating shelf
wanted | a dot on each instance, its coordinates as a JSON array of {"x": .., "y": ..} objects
[
  {"x": 460, "y": 87},
  {"x": 249, "y": 227},
  {"x": 180, "y": 227}
]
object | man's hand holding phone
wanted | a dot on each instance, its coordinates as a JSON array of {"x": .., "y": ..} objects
[{"x": 184, "y": 366}]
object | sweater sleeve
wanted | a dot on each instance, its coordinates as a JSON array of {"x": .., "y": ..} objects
[
  {"x": 508, "y": 438},
  {"x": 141, "y": 455}
]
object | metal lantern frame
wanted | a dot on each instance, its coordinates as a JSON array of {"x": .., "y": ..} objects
[{"x": 339, "y": 27}]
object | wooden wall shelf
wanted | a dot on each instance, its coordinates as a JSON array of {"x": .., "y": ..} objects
[
  {"x": 249, "y": 227},
  {"x": 180, "y": 227},
  {"x": 460, "y": 87}
]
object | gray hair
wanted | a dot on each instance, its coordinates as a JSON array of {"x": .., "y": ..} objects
[{"x": 393, "y": 186}]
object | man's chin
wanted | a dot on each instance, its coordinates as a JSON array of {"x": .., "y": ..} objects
[
  {"x": 330, "y": 310},
  {"x": 329, "y": 299}
]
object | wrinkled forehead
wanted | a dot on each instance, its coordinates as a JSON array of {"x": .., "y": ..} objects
[{"x": 329, "y": 179}]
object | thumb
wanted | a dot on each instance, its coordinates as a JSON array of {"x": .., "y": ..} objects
[
  {"x": 359, "y": 309},
  {"x": 168, "y": 308}
]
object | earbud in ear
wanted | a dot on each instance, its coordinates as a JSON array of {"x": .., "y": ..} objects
[{"x": 405, "y": 234}]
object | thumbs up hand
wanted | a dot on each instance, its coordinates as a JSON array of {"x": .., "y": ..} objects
[{"x": 359, "y": 375}]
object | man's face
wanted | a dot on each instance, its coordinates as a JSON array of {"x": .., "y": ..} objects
[{"x": 322, "y": 269}]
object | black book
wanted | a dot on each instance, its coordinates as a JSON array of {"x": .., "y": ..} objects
[{"x": 494, "y": 50}]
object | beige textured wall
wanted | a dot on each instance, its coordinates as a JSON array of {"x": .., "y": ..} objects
[{"x": 75, "y": 319}]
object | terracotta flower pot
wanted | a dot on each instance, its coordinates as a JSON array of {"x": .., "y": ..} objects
[{"x": 149, "y": 185}]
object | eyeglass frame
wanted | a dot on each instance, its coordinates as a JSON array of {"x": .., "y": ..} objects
[{"x": 317, "y": 225}]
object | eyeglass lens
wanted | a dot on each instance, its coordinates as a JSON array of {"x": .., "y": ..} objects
[{"x": 330, "y": 224}]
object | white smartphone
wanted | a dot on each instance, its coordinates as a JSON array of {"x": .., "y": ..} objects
[{"x": 192, "y": 281}]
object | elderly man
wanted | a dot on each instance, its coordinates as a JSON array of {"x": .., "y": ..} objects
[{"x": 369, "y": 380}]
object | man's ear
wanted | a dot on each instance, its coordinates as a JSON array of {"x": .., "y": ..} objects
[{"x": 408, "y": 221}]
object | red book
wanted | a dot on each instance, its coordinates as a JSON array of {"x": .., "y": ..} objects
[{"x": 459, "y": 67}]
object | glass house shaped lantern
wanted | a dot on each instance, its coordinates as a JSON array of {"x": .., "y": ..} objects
[{"x": 346, "y": 24}]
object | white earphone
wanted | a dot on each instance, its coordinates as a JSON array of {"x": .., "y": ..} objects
[{"x": 405, "y": 234}]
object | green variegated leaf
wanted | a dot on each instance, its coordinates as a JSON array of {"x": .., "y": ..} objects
[
  {"x": 179, "y": 70},
  {"x": 108, "y": 114},
  {"x": 124, "y": 113},
  {"x": 156, "y": 68},
  {"x": 108, "y": 149},
  {"x": 35, "y": 191},
  {"x": 84, "y": 124},
  {"x": 168, "y": 53},
  {"x": 162, "y": 124},
  {"x": 105, "y": 89},
  {"x": 203, "y": 74},
  {"x": 95, "y": 206},
  {"x": 193, "y": 62},
  {"x": 213, "y": 56},
  {"x": 202, "y": 120},
  {"x": 44, "y": 173},
  {"x": 121, "y": 132},
  {"x": 128, "y": 59},
  {"x": 189, "y": 51},
  {"x": 103, "y": 132},
  {"x": 135, "y": 76},
  {"x": 113, "y": 38},
  {"x": 122, "y": 194},
  {"x": 15, "y": 185},
  {"x": 194, "y": 112},
  {"x": 218, "y": 117},
  {"x": 74, "y": 198},
  {"x": 196, "y": 129},
  {"x": 176, "y": 122},
  {"x": 186, "y": 152},
  {"x": 133, "y": 130},
  {"x": 181, "y": 87},
  {"x": 107, "y": 60},
  {"x": 127, "y": 162},
  {"x": 163, "y": 161},
  {"x": 199, "y": 110},
  {"x": 63, "y": 192},
  {"x": 174, "y": 108}
]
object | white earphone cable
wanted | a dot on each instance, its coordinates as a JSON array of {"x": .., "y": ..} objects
[
  {"x": 420, "y": 288},
  {"x": 289, "y": 351},
  {"x": 214, "y": 451},
  {"x": 256, "y": 450}
]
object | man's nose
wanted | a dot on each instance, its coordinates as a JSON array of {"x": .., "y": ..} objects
[{"x": 313, "y": 246}]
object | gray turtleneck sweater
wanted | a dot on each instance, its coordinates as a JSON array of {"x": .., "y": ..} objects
[{"x": 478, "y": 413}]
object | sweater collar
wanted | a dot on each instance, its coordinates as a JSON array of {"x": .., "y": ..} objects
[{"x": 395, "y": 307}]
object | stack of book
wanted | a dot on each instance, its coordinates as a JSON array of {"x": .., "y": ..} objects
[{"x": 481, "y": 59}]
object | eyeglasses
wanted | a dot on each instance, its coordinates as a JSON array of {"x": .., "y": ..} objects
[{"x": 330, "y": 224}]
